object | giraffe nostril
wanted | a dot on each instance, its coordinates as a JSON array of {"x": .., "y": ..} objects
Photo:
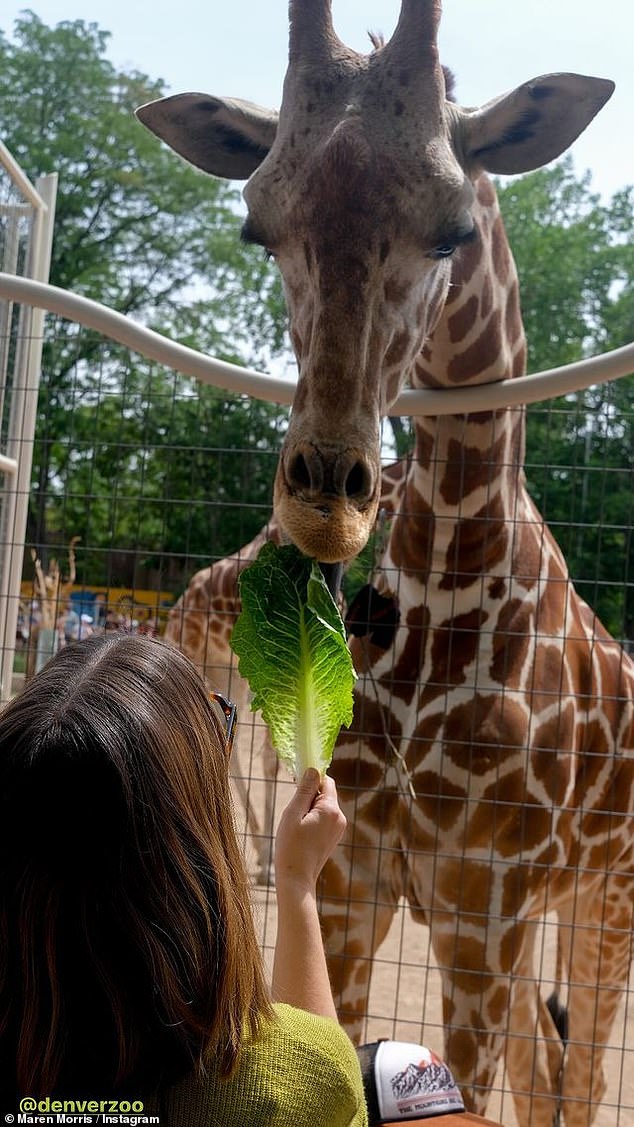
[
  {"x": 306, "y": 471},
  {"x": 357, "y": 482},
  {"x": 298, "y": 472},
  {"x": 323, "y": 473}
]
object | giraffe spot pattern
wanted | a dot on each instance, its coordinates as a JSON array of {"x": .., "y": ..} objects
[
  {"x": 486, "y": 298},
  {"x": 511, "y": 642},
  {"x": 484, "y": 732},
  {"x": 397, "y": 348},
  {"x": 553, "y": 745},
  {"x": 382, "y": 810},
  {"x": 478, "y": 544},
  {"x": 438, "y": 799},
  {"x": 502, "y": 261},
  {"x": 462, "y": 321},
  {"x": 412, "y": 543},
  {"x": 399, "y": 679},
  {"x": 469, "y": 468},
  {"x": 460, "y": 1044},
  {"x": 482, "y": 354},
  {"x": 549, "y": 680},
  {"x": 454, "y": 647},
  {"x": 370, "y": 722}
]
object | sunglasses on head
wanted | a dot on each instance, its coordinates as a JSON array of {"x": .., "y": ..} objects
[{"x": 227, "y": 714}]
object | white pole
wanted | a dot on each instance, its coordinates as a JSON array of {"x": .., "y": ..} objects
[{"x": 21, "y": 437}]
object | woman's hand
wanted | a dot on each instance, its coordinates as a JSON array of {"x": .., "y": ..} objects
[{"x": 311, "y": 827}]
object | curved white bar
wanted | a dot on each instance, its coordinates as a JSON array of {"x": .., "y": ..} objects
[
  {"x": 451, "y": 401},
  {"x": 96, "y": 316},
  {"x": 8, "y": 465}
]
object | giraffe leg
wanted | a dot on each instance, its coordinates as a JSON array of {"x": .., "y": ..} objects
[
  {"x": 264, "y": 836},
  {"x": 253, "y": 767},
  {"x": 534, "y": 1047},
  {"x": 257, "y": 762},
  {"x": 598, "y": 953},
  {"x": 476, "y": 991},
  {"x": 359, "y": 895}
]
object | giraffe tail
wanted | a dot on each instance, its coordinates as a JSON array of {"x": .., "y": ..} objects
[
  {"x": 556, "y": 1008},
  {"x": 559, "y": 1014}
]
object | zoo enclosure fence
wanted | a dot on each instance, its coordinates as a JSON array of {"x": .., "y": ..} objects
[{"x": 404, "y": 963}]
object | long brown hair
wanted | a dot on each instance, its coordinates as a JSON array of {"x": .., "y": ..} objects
[{"x": 127, "y": 947}]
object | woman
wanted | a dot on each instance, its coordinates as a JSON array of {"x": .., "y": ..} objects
[{"x": 130, "y": 965}]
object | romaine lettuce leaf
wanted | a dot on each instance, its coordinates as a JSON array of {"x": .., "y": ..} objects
[{"x": 292, "y": 650}]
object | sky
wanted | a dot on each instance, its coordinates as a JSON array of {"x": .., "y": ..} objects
[{"x": 239, "y": 48}]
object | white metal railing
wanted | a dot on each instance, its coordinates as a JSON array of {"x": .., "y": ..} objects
[
  {"x": 230, "y": 377},
  {"x": 36, "y": 205}
]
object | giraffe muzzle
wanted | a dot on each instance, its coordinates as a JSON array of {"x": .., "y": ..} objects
[{"x": 326, "y": 500}]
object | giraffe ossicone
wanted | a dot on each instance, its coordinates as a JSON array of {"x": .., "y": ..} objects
[{"x": 362, "y": 189}]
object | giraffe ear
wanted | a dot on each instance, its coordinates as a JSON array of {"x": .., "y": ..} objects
[
  {"x": 224, "y": 136},
  {"x": 531, "y": 125}
]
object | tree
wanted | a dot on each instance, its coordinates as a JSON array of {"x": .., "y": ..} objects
[
  {"x": 167, "y": 471},
  {"x": 143, "y": 232},
  {"x": 573, "y": 260}
]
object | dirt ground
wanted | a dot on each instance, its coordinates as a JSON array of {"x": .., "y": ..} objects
[{"x": 405, "y": 993}]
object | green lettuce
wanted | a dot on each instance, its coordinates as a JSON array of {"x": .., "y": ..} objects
[{"x": 292, "y": 650}]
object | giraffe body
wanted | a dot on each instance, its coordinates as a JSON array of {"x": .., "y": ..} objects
[{"x": 488, "y": 777}]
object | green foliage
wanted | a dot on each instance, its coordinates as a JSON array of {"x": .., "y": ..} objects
[
  {"x": 149, "y": 463},
  {"x": 148, "y": 235},
  {"x": 573, "y": 259}
]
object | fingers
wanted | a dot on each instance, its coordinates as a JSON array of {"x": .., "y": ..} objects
[
  {"x": 310, "y": 829},
  {"x": 307, "y": 790},
  {"x": 315, "y": 792}
]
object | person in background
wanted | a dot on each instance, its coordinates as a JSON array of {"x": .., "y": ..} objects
[
  {"x": 131, "y": 966},
  {"x": 71, "y": 624},
  {"x": 85, "y": 626}
]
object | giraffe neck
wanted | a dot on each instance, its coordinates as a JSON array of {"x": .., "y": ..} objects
[{"x": 465, "y": 479}]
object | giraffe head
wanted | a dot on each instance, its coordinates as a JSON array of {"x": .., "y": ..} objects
[{"x": 361, "y": 188}]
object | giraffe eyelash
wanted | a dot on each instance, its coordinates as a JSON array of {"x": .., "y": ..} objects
[{"x": 250, "y": 236}]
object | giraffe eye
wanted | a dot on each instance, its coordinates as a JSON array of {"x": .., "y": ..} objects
[{"x": 444, "y": 251}]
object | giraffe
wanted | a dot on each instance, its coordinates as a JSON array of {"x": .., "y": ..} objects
[{"x": 509, "y": 706}]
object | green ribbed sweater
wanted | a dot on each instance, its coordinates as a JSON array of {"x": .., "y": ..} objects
[{"x": 303, "y": 1071}]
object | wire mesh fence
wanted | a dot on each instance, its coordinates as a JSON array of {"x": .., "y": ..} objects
[{"x": 149, "y": 489}]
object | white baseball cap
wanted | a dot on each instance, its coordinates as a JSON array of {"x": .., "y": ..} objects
[{"x": 407, "y": 1083}]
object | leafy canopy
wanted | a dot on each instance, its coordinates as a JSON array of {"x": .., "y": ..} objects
[{"x": 142, "y": 231}]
